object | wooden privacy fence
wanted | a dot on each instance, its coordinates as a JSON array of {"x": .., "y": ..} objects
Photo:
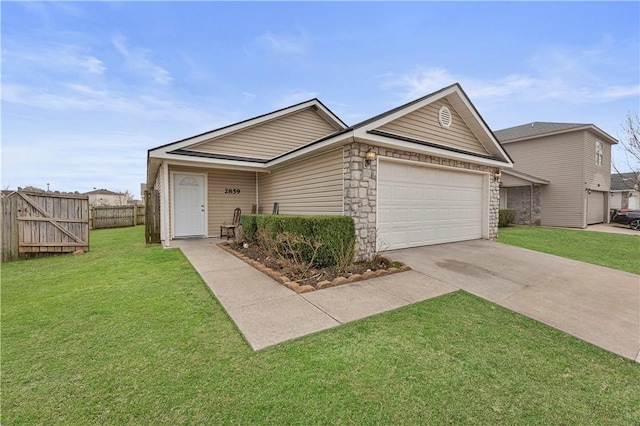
[
  {"x": 115, "y": 216},
  {"x": 41, "y": 223},
  {"x": 152, "y": 221}
]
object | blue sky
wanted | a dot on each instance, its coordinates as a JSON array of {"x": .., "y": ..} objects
[{"x": 89, "y": 87}]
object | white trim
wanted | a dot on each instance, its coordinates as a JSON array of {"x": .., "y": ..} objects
[
  {"x": 409, "y": 109},
  {"x": 207, "y": 162},
  {"x": 164, "y": 201},
  {"x": 486, "y": 188},
  {"x": 205, "y": 189},
  {"x": 246, "y": 124}
]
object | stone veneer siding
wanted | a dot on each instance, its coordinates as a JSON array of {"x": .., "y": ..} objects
[
  {"x": 360, "y": 186},
  {"x": 519, "y": 199}
]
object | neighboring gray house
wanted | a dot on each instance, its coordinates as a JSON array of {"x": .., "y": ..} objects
[
  {"x": 561, "y": 175},
  {"x": 422, "y": 173},
  {"x": 625, "y": 189}
]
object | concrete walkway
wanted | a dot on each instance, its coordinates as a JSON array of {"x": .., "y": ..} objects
[
  {"x": 268, "y": 313},
  {"x": 596, "y": 304}
]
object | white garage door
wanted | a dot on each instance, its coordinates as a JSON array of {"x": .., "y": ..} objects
[
  {"x": 595, "y": 207},
  {"x": 419, "y": 205}
]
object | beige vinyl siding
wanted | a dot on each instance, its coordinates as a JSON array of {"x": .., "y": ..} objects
[
  {"x": 423, "y": 124},
  {"x": 557, "y": 159},
  {"x": 597, "y": 178},
  {"x": 220, "y": 205},
  {"x": 272, "y": 138},
  {"x": 311, "y": 186}
]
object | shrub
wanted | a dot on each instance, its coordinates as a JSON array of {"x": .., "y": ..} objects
[
  {"x": 505, "y": 217},
  {"x": 335, "y": 233},
  {"x": 249, "y": 226}
]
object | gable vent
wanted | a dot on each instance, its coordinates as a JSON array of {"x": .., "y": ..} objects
[{"x": 444, "y": 117}]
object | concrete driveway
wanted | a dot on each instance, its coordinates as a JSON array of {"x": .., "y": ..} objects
[{"x": 596, "y": 304}]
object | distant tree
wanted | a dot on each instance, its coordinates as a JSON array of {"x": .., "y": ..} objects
[
  {"x": 31, "y": 188},
  {"x": 124, "y": 198},
  {"x": 630, "y": 145}
]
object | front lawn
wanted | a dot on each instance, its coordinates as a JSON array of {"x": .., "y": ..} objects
[
  {"x": 617, "y": 251},
  {"x": 129, "y": 334}
]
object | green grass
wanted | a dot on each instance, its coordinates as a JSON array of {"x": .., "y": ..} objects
[
  {"x": 617, "y": 251},
  {"x": 129, "y": 334}
]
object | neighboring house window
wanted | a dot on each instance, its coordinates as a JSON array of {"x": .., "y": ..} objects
[{"x": 599, "y": 153}]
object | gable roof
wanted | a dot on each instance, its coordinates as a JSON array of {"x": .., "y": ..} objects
[
  {"x": 366, "y": 131},
  {"x": 625, "y": 181},
  {"x": 311, "y": 103},
  {"x": 541, "y": 128}
]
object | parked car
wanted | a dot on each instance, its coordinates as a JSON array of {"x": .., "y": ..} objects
[{"x": 627, "y": 217}]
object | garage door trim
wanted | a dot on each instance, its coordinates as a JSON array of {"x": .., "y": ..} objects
[{"x": 485, "y": 189}]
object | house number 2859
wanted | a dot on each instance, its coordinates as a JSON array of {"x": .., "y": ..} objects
[{"x": 231, "y": 191}]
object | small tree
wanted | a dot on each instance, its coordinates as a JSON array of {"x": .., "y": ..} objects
[
  {"x": 124, "y": 198},
  {"x": 630, "y": 145}
]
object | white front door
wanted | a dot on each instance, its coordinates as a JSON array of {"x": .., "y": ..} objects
[{"x": 189, "y": 206}]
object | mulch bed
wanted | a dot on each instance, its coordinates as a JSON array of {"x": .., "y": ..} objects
[{"x": 315, "y": 278}]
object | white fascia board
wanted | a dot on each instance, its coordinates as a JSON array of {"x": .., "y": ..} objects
[
  {"x": 239, "y": 126},
  {"x": 429, "y": 150},
  {"x": 328, "y": 143},
  {"x": 408, "y": 109},
  {"x": 486, "y": 129},
  {"x": 174, "y": 159}
]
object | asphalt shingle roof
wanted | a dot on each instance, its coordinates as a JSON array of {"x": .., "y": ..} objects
[
  {"x": 623, "y": 181},
  {"x": 536, "y": 128}
]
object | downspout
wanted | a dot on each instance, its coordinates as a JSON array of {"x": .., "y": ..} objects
[
  {"x": 531, "y": 205},
  {"x": 257, "y": 198}
]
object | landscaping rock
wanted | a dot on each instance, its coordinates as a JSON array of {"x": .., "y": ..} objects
[
  {"x": 283, "y": 279},
  {"x": 369, "y": 274},
  {"x": 293, "y": 286},
  {"x": 305, "y": 289},
  {"x": 340, "y": 280},
  {"x": 355, "y": 277},
  {"x": 324, "y": 284}
]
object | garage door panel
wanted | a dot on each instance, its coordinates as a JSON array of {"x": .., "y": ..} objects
[
  {"x": 422, "y": 205},
  {"x": 595, "y": 207}
]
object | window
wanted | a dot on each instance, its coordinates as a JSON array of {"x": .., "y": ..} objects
[{"x": 599, "y": 153}]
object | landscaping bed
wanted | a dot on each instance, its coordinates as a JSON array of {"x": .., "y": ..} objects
[{"x": 315, "y": 278}]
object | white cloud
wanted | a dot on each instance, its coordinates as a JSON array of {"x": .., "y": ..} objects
[
  {"x": 294, "y": 97},
  {"x": 603, "y": 72},
  {"x": 138, "y": 61},
  {"x": 60, "y": 57},
  {"x": 420, "y": 82},
  {"x": 285, "y": 44}
]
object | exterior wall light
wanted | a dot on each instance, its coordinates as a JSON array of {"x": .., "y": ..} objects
[
  {"x": 588, "y": 191},
  {"x": 497, "y": 174},
  {"x": 369, "y": 156}
]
